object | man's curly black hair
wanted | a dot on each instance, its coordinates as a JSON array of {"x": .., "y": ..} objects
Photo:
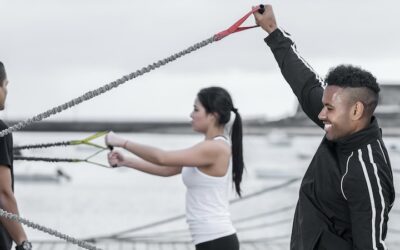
[
  {"x": 353, "y": 77},
  {"x": 363, "y": 84}
]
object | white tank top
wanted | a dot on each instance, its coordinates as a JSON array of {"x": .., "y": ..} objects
[{"x": 207, "y": 203}]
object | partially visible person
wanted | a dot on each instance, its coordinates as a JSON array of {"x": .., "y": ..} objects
[
  {"x": 347, "y": 192},
  {"x": 9, "y": 230},
  {"x": 208, "y": 168}
]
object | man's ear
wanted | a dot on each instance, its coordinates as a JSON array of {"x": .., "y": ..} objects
[{"x": 357, "y": 111}]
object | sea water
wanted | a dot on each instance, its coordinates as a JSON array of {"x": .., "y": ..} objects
[{"x": 99, "y": 201}]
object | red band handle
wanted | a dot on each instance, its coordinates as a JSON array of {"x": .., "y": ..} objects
[{"x": 236, "y": 26}]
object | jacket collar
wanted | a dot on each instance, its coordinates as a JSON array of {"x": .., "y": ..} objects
[{"x": 360, "y": 138}]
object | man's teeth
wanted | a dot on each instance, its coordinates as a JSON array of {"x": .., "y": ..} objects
[{"x": 327, "y": 126}]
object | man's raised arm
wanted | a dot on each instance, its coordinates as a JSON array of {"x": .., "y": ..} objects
[{"x": 305, "y": 83}]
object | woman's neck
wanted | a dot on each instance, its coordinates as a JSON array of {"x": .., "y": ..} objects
[{"x": 214, "y": 132}]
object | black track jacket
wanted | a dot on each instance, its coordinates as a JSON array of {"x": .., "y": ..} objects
[{"x": 347, "y": 192}]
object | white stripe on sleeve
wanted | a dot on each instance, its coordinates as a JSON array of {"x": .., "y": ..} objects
[
  {"x": 371, "y": 158},
  {"x": 371, "y": 197}
]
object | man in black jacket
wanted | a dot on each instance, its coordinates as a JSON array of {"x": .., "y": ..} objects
[
  {"x": 347, "y": 192},
  {"x": 9, "y": 230}
]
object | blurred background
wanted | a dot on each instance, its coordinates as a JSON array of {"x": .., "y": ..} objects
[{"x": 55, "y": 51}]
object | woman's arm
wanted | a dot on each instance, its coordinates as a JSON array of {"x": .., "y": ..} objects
[
  {"x": 117, "y": 159},
  {"x": 202, "y": 154}
]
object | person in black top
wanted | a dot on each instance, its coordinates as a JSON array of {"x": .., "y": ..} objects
[
  {"x": 347, "y": 191},
  {"x": 9, "y": 230}
]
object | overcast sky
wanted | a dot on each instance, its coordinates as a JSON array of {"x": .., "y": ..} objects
[{"x": 57, "y": 50}]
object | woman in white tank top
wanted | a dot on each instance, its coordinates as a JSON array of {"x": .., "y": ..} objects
[{"x": 208, "y": 168}]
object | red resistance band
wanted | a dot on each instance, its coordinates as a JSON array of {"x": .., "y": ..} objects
[{"x": 236, "y": 26}]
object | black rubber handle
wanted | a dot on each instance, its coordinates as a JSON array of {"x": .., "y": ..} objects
[
  {"x": 261, "y": 10},
  {"x": 112, "y": 148}
]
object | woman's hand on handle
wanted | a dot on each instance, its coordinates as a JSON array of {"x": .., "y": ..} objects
[
  {"x": 114, "y": 140},
  {"x": 116, "y": 159}
]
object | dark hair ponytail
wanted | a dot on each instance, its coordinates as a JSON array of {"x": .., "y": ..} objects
[
  {"x": 237, "y": 152},
  {"x": 218, "y": 100}
]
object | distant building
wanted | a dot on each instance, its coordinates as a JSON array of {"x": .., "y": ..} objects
[{"x": 387, "y": 111}]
